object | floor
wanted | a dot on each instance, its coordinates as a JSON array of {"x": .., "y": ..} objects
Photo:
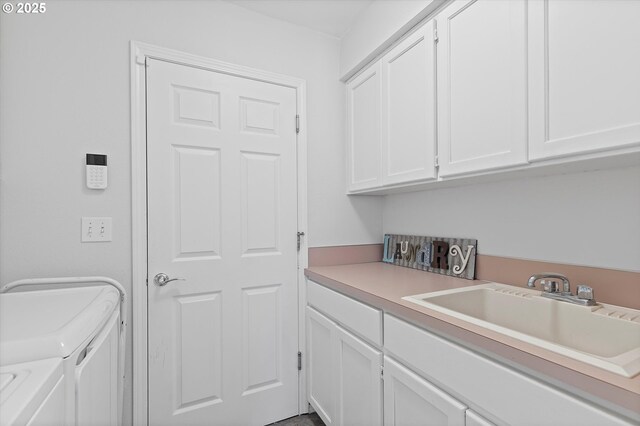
[{"x": 304, "y": 420}]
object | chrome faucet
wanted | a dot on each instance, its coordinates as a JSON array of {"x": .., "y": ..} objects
[
  {"x": 551, "y": 290},
  {"x": 550, "y": 286}
]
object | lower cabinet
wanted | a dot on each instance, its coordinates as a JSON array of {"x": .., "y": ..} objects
[
  {"x": 344, "y": 374},
  {"x": 359, "y": 381},
  {"x": 501, "y": 392},
  {"x": 426, "y": 380},
  {"x": 321, "y": 341},
  {"x": 411, "y": 400}
]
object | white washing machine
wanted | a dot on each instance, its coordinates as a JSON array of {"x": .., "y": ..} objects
[
  {"x": 81, "y": 328},
  {"x": 32, "y": 393}
]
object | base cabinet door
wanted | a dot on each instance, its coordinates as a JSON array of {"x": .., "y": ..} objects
[
  {"x": 482, "y": 85},
  {"x": 359, "y": 381},
  {"x": 321, "y": 341},
  {"x": 584, "y": 91},
  {"x": 343, "y": 374},
  {"x": 411, "y": 400}
]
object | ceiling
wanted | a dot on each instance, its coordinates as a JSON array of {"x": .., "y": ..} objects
[{"x": 333, "y": 17}]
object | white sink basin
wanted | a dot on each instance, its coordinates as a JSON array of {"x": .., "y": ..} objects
[{"x": 606, "y": 336}]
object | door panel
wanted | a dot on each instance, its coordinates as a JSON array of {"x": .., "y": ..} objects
[
  {"x": 222, "y": 213},
  {"x": 259, "y": 213},
  {"x": 262, "y": 331},
  {"x": 199, "y": 357},
  {"x": 197, "y": 216}
]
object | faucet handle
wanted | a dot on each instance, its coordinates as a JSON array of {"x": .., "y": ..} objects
[
  {"x": 549, "y": 286},
  {"x": 584, "y": 292}
]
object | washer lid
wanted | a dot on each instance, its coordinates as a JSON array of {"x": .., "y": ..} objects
[
  {"x": 28, "y": 385},
  {"x": 51, "y": 323},
  {"x": 5, "y": 379}
]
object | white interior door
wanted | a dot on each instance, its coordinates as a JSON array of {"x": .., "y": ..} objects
[{"x": 222, "y": 214}]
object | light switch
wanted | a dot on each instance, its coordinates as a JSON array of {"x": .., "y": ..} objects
[{"x": 96, "y": 229}]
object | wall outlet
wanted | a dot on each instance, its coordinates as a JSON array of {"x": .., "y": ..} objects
[{"x": 96, "y": 229}]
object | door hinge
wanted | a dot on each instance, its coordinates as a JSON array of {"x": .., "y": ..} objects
[
  {"x": 300, "y": 235},
  {"x": 435, "y": 35},
  {"x": 299, "y": 361},
  {"x": 297, "y": 124},
  {"x": 382, "y": 371},
  {"x": 437, "y": 161}
]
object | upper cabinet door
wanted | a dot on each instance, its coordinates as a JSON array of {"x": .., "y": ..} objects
[
  {"x": 482, "y": 85},
  {"x": 408, "y": 124},
  {"x": 363, "y": 124},
  {"x": 584, "y": 71}
]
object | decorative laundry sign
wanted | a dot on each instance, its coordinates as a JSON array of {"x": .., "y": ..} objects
[{"x": 455, "y": 257}]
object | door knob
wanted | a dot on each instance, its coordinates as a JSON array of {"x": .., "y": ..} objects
[{"x": 163, "y": 279}]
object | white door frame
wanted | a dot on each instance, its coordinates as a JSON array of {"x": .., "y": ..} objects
[{"x": 139, "y": 52}]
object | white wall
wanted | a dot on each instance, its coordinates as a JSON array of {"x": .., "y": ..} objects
[
  {"x": 590, "y": 219},
  {"x": 64, "y": 79},
  {"x": 379, "y": 25}
]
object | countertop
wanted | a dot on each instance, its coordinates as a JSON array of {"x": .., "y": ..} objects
[{"x": 383, "y": 285}]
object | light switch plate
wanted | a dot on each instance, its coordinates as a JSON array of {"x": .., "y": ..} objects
[{"x": 96, "y": 229}]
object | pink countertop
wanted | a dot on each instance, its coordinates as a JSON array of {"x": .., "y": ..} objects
[{"x": 383, "y": 286}]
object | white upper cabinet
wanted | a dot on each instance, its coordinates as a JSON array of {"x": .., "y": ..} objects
[
  {"x": 363, "y": 124},
  {"x": 508, "y": 82},
  {"x": 584, "y": 72},
  {"x": 408, "y": 102},
  {"x": 482, "y": 85}
]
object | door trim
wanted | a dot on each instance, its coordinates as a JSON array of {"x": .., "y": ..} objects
[{"x": 138, "y": 53}]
